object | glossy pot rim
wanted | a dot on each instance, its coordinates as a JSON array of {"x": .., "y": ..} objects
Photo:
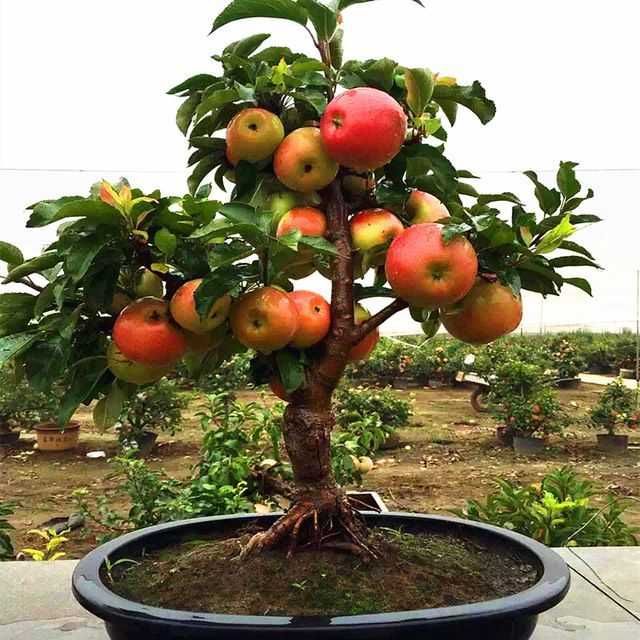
[{"x": 94, "y": 595}]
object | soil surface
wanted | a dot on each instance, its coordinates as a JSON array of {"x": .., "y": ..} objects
[
  {"x": 448, "y": 455},
  {"x": 413, "y": 572}
]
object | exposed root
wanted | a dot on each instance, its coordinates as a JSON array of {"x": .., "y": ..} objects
[{"x": 327, "y": 521}]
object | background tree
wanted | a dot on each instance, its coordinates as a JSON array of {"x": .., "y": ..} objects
[{"x": 357, "y": 187}]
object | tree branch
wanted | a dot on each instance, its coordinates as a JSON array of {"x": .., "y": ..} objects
[{"x": 376, "y": 320}]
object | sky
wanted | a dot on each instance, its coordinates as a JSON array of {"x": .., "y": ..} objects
[{"x": 83, "y": 97}]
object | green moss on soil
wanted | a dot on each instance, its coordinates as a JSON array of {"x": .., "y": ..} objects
[{"x": 413, "y": 572}]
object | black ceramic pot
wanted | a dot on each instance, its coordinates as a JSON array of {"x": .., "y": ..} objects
[{"x": 510, "y": 618}]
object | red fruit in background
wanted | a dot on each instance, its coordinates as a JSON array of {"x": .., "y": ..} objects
[
  {"x": 144, "y": 332},
  {"x": 302, "y": 163},
  {"x": 363, "y": 129},
  {"x": 276, "y": 386},
  {"x": 362, "y": 350},
  {"x": 374, "y": 228},
  {"x": 425, "y": 271},
  {"x": 184, "y": 311},
  {"x": 264, "y": 319},
  {"x": 314, "y": 318},
  {"x": 423, "y": 207},
  {"x": 490, "y": 310},
  {"x": 253, "y": 135},
  {"x": 307, "y": 220}
]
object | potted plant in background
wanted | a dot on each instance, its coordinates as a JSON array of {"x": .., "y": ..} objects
[
  {"x": 617, "y": 407},
  {"x": 522, "y": 399},
  {"x": 152, "y": 409},
  {"x": 567, "y": 362},
  {"x": 225, "y": 274}
]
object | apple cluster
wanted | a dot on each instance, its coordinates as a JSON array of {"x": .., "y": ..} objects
[{"x": 361, "y": 130}]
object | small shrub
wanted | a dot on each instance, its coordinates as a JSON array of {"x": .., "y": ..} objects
[
  {"x": 51, "y": 547},
  {"x": 6, "y": 547},
  {"x": 154, "y": 408},
  {"x": 558, "y": 512},
  {"x": 565, "y": 358},
  {"x": 392, "y": 410},
  {"x": 520, "y": 398},
  {"x": 615, "y": 408}
]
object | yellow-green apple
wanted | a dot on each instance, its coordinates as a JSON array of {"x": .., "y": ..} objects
[
  {"x": 302, "y": 163},
  {"x": 253, "y": 135},
  {"x": 309, "y": 222},
  {"x": 185, "y": 313},
  {"x": 374, "y": 228},
  {"x": 145, "y": 332},
  {"x": 134, "y": 372},
  {"x": 423, "y": 207},
  {"x": 490, "y": 310},
  {"x": 363, "y": 129},
  {"x": 264, "y": 319},
  {"x": 282, "y": 202},
  {"x": 362, "y": 350},
  {"x": 314, "y": 318},
  {"x": 148, "y": 284},
  {"x": 428, "y": 272}
]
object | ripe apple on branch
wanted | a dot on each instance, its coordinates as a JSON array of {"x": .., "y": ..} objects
[{"x": 333, "y": 168}]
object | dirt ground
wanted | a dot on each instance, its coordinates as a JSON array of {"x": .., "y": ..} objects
[{"x": 448, "y": 455}]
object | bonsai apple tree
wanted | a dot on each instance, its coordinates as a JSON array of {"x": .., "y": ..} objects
[{"x": 329, "y": 166}]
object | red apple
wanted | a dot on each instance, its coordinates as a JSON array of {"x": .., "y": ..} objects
[
  {"x": 425, "y": 271},
  {"x": 265, "y": 319},
  {"x": 423, "y": 207},
  {"x": 134, "y": 372},
  {"x": 307, "y": 220},
  {"x": 363, "y": 129},
  {"x": 490, "y": 310},
  {"x": 302, "y": 163},
  {"x": 144, "y": 332},
  {"x": 362, "y": 350},
  {"x": 253, "y": 135},
  {"x": 374, "y": 228},
  {"x": 314, "y": 318},
  {"x": 184, "y": 311}
]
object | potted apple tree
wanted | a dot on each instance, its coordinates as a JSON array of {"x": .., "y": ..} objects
[
  {"x": 616, "y": 407},
  {"x": 332, "y": 167}
]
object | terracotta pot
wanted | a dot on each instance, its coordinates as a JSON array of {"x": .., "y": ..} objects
[
  {"x": 611, "y": 443},
  {"x": 528, "y": 446},
  {"x": 52, "y": 438}
]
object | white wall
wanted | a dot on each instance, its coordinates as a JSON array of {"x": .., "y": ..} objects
[{"x": 82, "y": 96}]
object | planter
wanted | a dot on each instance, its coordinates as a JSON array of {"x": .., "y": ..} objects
[
  {"x": 509, "y": 618},
  {"x": 504, "y": 436},
  {"x": 627, "y": 374},
  {"x": 52, "y": 438},
  {"x": 568, "y": 383},
  {"x": 611, "y": 443},
  {"x": 146, "y": 442},
  {"x": 528, "y": 446},
  {"x": 9, "y": 438},
  {"x": 401, "y": 383},
  {"x": 369, "y": 499}
]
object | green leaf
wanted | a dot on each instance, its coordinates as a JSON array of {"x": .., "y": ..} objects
[
  {"x": 419, "y": 84},
  {"x": 108, "y": 409},
  {"x": 202, "y": 170},
  {"x": 245, "y": 47},
  {"x": 290, "y": 369},
  {"x": 498, "y": 197},
  {"x": 316, "y": 99},
  {"x": 576, "y": 248},
  {"x": 10, "y": 254},
  {"x": 194, "y": 83},
  {"x": 186, "y": 111},
  {"x": 431, "y": 325},
  {"x": 86, "y": 375},
  {"x": 96, "y": 211},
  {"x": 324, "y": 20},
  {"x": 45, "y": 261},
  {"x": 219, "y": 98},
  {"x": 81, "y": 256},
  {"x": 555, "y": 237},
  {"x": 574, "y": 203},
  {"x": 567, "y": 181},
  {"x": 472, "y": 97},
  {"x": 241, "y": 9},
  {"x": 343, "y": 4},
  {"x": 363, "y": 293},
  {"x": 573, "y": 261},
  {"x": 14, "y": 345},
  {"x": 580, "y": 283},
  {"x": 18, "y": 303},
  {"x": 321, "y": 245},
  {"x": 213, "y": 287},
  {"x": 548, "y": 199},
  {"x": 165, "y": 241}
]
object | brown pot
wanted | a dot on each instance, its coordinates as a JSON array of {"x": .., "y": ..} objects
[
  {"x": 53, "y": 438},
  {"x": 504, "y": 436},
  {"x": 611, "y": 443}
]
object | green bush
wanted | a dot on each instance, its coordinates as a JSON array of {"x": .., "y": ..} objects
[
  {"x": 20, "y": 405},
  {"x": 154, "y": 408},
  {"x": 522, "y": 399},
  {"x": 558, "y": 512},
  {"x": 6, "y": 547},
  {"x": 616, "y": 408},
  {"x": 392, "y": 410}
]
